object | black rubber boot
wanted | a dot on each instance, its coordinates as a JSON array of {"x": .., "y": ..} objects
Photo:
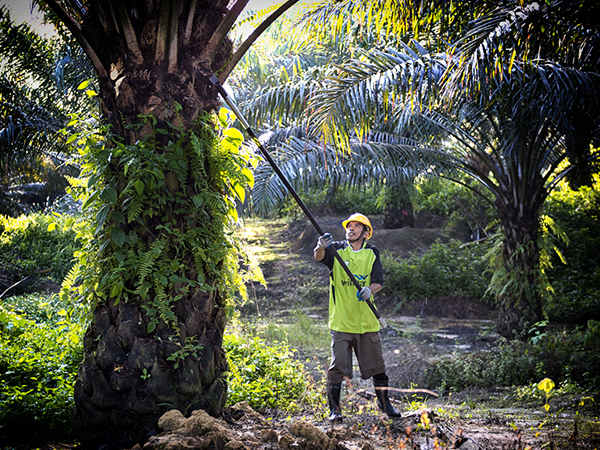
[
  {"x": 333, "y": 395},
  {"x": 383, "y": 401}
]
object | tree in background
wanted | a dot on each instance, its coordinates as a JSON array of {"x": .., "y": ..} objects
[
  {"x": 577, "y": 212},
  {"x": 161, "y": 185},
  {"x": 501, "y": 92},
  {"x": 274, "y": 85},
  {"x": 39, "y": 77}
]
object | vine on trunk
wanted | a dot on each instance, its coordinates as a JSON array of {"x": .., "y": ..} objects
[{"x": 158, "y": 214}]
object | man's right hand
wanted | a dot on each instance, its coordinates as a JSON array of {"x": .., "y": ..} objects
[{"x": 325, "y": 241}]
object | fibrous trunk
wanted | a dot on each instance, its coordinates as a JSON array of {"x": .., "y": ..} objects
[
  {"x": 127, "y": 381},
  {"x": 519, "y": 297},
  {"x": 155, "y": 341}
]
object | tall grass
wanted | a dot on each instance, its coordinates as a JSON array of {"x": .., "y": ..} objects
[{"x": 299, "y": 330}]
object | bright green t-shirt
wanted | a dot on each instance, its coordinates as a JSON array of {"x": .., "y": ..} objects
[{"x": 346, "y": 313}]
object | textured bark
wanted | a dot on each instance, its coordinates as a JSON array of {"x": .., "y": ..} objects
[
  {"x": 521, "y": 305},
  {"x": 126, "y": 382}
]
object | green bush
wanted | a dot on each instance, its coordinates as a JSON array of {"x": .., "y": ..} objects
[
  {"x": 457, "y": 203},
  {"x": 577, "y": 213},
  {"x": 508, "y": 364},
  {"x": 571, "y": 357},
  {"x": 345, "y": 200},
  {"x": 28, "y": 247},
  {"x": 40, "y": 352},
  {"x": 446, "y": 269},
  {"x": 353, "y": 200},
  {"x": 41, "y": 349},
  {"x": 265, "y": 376}
]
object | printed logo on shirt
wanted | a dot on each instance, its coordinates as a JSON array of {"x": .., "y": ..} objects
[{"x": 361, "y": 279}]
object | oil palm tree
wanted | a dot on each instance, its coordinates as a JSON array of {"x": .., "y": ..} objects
[
  {"x": 518, "y": 98},
  {"x": 536, "y": 69},
  {"x": 160, "y": 188}
]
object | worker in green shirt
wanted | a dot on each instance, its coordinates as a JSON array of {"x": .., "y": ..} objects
[{"x": 352, "y": 324}]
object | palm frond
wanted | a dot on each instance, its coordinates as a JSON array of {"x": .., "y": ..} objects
[
  {"x": 38, "y": 84},
  {"x": 517, "y": 45},
  {"x": 383, "y": 159},
  {"x": 374, "y": 21},
  {"x": 368, "y": 89},
  {"x": 281, "y": 105}
]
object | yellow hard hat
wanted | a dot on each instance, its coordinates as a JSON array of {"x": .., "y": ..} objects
[{"x": 357, "y": 217}]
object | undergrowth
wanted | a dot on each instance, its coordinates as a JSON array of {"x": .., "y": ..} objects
[
  {"x": 31, "y": 251},
  {"x": 264, "y": 367},
  {"x": 40, "y": 352},
  {"x": 299, "y": 330},
  {"x": 453, "y": 268},
  {"x": 569, "y": 357},
  {"x": 577, "y": 297},
  {"x": 41, "y": 349},
  {"x": 266, "y": 376}
]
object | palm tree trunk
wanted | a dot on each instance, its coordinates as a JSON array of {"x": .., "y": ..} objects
[
  {"x": 127, "y": 381},
  {"x": 519, "y": 298},
  {"x": 155, "y": 341}
]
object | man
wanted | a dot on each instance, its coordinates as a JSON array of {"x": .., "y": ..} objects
[{"x": 352, "y": 324}]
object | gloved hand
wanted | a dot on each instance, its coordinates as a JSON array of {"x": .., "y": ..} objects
[
  {"x": 364, "y": 294},
  {"x": 325, "y": 241}
]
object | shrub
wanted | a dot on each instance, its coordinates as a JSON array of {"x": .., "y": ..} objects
[
  {"x": 446, "y": 269},
  {"x": 457, "y": 203},
  {"x": 508, "y": 364},
  {"x": 577, "y": 297},
  {"x": 40, "y": 351},
  {"x": 265, "y": 376},
  {"x": 353, "y": 200},
  {"x": 345, "y": 200},
  {"x": 27, "y": 247},
  {"x": 570, "y": 357}
]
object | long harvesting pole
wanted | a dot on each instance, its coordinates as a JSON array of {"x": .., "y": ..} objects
[{"x": 217, "y": 84}]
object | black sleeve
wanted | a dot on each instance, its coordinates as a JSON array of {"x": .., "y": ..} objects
[
  {"x": 329, "y": 258},
  {"x": 377, "y": 270}
]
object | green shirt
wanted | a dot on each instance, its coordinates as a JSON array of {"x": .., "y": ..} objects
[{"x": 346, "y": 313}]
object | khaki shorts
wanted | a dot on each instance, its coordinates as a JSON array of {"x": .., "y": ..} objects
[{"x": 367, "y": 348}]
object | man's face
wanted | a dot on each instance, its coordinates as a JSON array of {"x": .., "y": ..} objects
[{"x": 354, "y": 230}]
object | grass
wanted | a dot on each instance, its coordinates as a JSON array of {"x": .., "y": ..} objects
[
  {"x": 298, "y": 330},
  {"x": 297, "y": 296}
]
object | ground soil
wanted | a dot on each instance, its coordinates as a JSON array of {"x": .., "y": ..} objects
[{"x": 418, "y": 333}]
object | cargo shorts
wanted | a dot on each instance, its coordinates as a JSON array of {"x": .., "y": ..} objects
[{"x": 368, "y": 350}]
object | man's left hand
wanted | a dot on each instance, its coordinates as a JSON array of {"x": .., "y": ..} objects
[{"x": 364, "y": 294}]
